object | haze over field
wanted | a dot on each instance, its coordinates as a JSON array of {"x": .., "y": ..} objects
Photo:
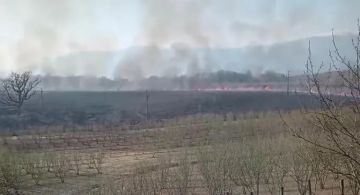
[
  {"x": 179, "y": 97},
  {"x": 141, "y": 38}
]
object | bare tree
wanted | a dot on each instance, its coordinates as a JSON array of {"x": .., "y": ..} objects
[
  {"x": 333, "y": 129},
  {"x": 276, "y": 169},
  {"x": 61, "y": 166},
  {"x": 17, "y": 89},
  {"x": 34, "y": 165},
  {"x": 248, "y": 164},
  {"x": 77, "y": 160},
  {"x": 97, "y": 160}
]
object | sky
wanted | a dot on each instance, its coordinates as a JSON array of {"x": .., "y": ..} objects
[{"x": 34, "y": 33}]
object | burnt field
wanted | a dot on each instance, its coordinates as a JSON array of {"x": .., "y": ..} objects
[{"x": 83, "y": 108}]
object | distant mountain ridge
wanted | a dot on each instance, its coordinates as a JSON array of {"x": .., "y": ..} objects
[{"x": 140, "y": 62}]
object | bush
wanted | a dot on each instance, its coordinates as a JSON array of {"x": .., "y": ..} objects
[
  {"x": 214, "y": 168},
  {"x": 61, "y": 167},
  {"x": 10, "y": 172},
  {"x": 97, "y": 160},
  {"x": 179, "y": 179},
  {"x": 35, "y": 166}
]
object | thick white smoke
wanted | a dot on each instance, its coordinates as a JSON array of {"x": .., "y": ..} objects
[{"x": 168, "y": 37}]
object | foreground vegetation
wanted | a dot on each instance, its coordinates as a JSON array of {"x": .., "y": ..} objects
[{"x": 203, "y": 154}]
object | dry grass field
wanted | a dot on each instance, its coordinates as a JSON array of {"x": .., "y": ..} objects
[{"x": 200, "y": 154}]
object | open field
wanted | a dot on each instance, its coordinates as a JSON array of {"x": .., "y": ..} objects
[
  {"x": 201, "y": 154},
  {"x": 217, "y": 143},
  {"x": 82, "y": 108}
]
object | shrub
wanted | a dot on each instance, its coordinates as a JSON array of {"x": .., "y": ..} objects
[
  {"x": 10, "y": 172},
  {"x": 61, "y": 166},
  {"x": 97, "y": 160},
  {"x": 34, "y": 165}
]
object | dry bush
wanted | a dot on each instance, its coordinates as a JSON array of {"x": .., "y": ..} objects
[
  {"x": 61, "y": 166},
  {"x": 96, "y": 160},
  {"x": 145, "y": 180},
  {"x": 214, "y": 168},
  {"x": 276, "y": 171},
  {"x": 144, "y": 184},
  {"x": 278, "y": 163},
  {"x": 139, "y": 183},
  {"x": 48, "y": 159},
  {"x": 248, "y": 166},
  {"x": 180, "y": 177},
  {"x": 10, "y": 172},
  {"x": 34, "y": 165},
  {"x": 77, "y": 160},
  {"x": 165, "y": 163},
  {"x": 109, "y": 187},
  {"x": 339, "y": 166},
  {"x": 301, "y": 169},
  {"x": 319, "y": 167}
]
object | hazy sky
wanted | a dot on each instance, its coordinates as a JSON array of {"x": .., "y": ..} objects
[{"x": 35, "y": 32}]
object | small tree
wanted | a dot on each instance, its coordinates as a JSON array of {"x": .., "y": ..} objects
[
  {"x": 77, "y": 160},
  {"x": 248, "y": 164},
  {"x": 97, "y": 160},
  {"x": 61, "y": 167},
  {"x": 48, "y": 158},
  {"x": 276, "y": 170},
  {"x": 17, "y": 89},
  {"x": 35, "y": 167}
]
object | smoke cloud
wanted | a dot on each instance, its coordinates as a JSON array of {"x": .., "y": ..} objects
[
  {"x": 46, "y": 43},
  {"x": 178, "y": 26},
  {"x": 140, "y": 38},
  {"x": 41, "y": 40}
]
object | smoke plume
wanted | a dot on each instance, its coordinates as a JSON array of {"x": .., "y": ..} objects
[{"x": 141, "y": 38}]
